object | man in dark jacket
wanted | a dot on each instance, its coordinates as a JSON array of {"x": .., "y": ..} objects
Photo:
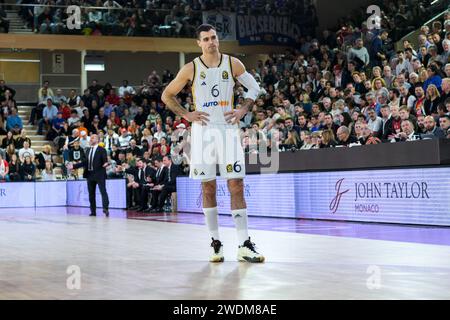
[{"x": 95, "y": 173}]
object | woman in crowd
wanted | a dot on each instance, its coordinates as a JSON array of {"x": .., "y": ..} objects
[
  {"x": 14, "y": 168},
  {"x": 9, "y": 139},
  {"x": 44, "y": 156},
  {"x": 10, "y": 151},
  {"x": 28, "y": 170},
  {"x": 327, "y": 139},
  {"x": 432, "y": 100},
  {"x": 48, "y": 173}
]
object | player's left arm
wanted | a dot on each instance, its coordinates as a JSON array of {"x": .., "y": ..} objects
[{"x": 253, "y": 89}]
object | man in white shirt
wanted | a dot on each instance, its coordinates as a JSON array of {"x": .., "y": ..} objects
[
  {"x": 26, "y": 151},
  {"x": 403, "y": 64},
  {"x": 126, "y": 87},
  {"x": 159, "y": 133},
  {"x": 375, "y": 122},
  {"x": 74, "y": 118},
  {"x": 124, "y": 139}
]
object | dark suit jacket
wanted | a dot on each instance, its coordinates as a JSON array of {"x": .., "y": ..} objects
[
  {"x": 174, "y": 173},
  {"x": 99, "y": 172},
  {"x": 147, "y": 172},
  {"x": 159, "y": 179}
]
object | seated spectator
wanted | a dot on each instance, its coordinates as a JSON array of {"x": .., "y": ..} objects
[
  {"x": 48, "y": 173},
  {"x": 21, "y": 139},
  {"x": 432, "y": 129},
  {"x": 9, "y": 139},
  {"x": 9, "y": 152},
  {"x": 305, "y": 137},
  {"x": 57, "y": 125},
  {"x": 124, "y": 139},
  {"x": 344, "y": 137},
  {"x": 84, "y": 140},
  {"x": 292, "y": 141},
  {"x": 433, "y": 78},
  {"x": 74, "y": 99},
  {"x": 111, "y": 139},
  {"x": 134, "y": 149},
  {"x": 327, "y": 139},
  {"x": 125, "y": 87},
  {"x": 45, "y": 91},
  {"x": 76, "y": 154},
  {"x": 164, "y": 148},
  {"x": 14, "y": 168},
  {"x": 65, "y": 110},
  {"x": 405, "y": 115},
  {"x": 445, "y": 89},
  {"x": 48, "y": 114},
  {"x": 44, "y": 156},
  {"x": 28, "y": 169},
  {"x": 73, "y": 118},
  {"x": 169, "y": 184},
  {"x": 407, "y": 133},
  {"x": 444, "y": 123},
  {"x": 4, "y": 88},
  {"x": 26, "y": 151},
  {"x": 366, "y": 136},
  {"x": 432, "y": 100},
  {"x": 4, "y": 169},
  {"x": 59, "y": 98},
  {"x": 14, "y": 122}
]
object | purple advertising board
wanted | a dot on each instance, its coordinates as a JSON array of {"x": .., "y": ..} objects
[{"x": 407, "y": 196}]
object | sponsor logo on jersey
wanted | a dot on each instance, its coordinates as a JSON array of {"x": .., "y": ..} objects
[
  {"x": 225, "y": 75},
  {"x": 202, "y": 75},
  {"x": 216, "y": 103},
  {"x": 203, "y": 83}
]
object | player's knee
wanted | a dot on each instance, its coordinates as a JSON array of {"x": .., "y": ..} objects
[
  {"x": 209, "y": 189},
  {"x": 236, "y": 187}
]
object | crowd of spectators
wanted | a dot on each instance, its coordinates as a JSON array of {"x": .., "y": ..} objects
[
  {"x": 116, "y": 17},
  {"x": 177, "y": 18},
  {"x": 321, "y": 94}
]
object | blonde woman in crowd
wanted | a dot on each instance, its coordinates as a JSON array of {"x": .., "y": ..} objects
[{"x": 432, "y": 100}]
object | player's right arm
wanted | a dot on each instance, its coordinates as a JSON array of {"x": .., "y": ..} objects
[{"x": 174, "y": 87}]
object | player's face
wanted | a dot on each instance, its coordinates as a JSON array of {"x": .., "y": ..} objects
[{"x": 209, "y": 41}]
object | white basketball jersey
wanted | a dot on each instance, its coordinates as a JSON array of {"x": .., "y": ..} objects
[{"x": 212, "y": 89}]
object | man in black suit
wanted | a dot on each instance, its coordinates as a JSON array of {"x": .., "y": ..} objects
[
  {"x": 143, "y": 175},
  {"x": 95, "y": 173},
  {"x": 169, "y": 184},
  {"x": 160, "y": 177}
]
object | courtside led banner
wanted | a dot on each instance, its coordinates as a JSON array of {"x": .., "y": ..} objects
[
  {"x": 412, "y": 196},
  {"x": 59, "y": 193}
]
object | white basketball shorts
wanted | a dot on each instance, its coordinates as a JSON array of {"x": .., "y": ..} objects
[{"x": 216, "y": 144}]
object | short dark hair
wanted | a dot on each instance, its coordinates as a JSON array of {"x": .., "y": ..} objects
[
  {"x": 203, "y": 27},
  {"x": 395, "y": 91}
]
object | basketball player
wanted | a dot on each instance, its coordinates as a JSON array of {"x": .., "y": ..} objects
[{"x": 215, "y": 133}]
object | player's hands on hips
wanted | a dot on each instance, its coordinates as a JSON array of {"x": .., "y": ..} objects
[
  {"x": 197, "y": 116},
  {"x": 233, "y": 117}
]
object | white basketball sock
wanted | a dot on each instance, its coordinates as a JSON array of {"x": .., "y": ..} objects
[
  {"x": 240, "y": 220},
  {"x": 211, "y": 218}
]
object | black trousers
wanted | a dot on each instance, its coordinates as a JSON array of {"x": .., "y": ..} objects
[
  {"x": 165, "y": 192},
  {"x": 92, "y": 184},
  {"x": 135, "y": 195},
  {"x": 155, "y": 196}
]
